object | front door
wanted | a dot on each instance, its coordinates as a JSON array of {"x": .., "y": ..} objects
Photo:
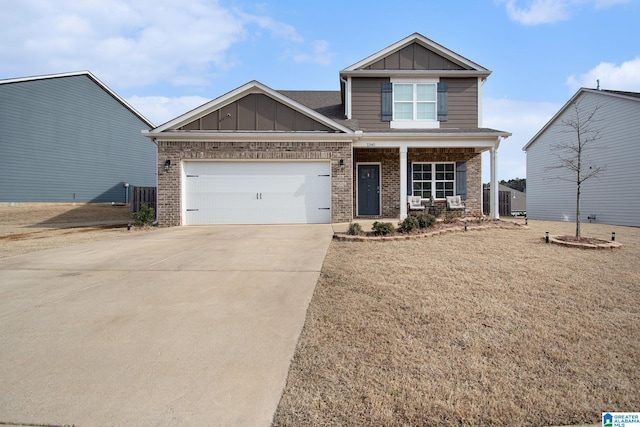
[{"x": 369, "y": 190}]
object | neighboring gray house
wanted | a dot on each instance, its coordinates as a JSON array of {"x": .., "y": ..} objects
[
  {"x": 611, "y": 198},
  {"x": 68, "y": 137},
  {"x": 518, "y": 200}
]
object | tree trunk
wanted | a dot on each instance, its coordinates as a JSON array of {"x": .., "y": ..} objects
[{"x": 578, "y": 212}]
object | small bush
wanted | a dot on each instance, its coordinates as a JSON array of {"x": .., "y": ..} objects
[
  {"x": 145, "y": 216},
  {"x": 383, "y": 228},
  {"x": 355, "y": 229},
  {"x": 426, "y": 220},
  {"x": 452, "y": 216},
  {"x": 409, "y": 224}
]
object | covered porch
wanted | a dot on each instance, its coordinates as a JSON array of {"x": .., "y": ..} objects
[{"x": 386, "y": 172}]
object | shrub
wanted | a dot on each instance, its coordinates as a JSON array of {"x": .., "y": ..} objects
[
  {"x": 426, "y": 220},
  {"x": 409, "y": 224},
  {"x": 145, "y": 216},
  {"x": 355, "y": 229},
  {"x": 382, "y": 228},
  {"x": 452, "y": 216}
]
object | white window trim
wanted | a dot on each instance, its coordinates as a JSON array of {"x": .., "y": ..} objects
[
  {"x": 416, "y": 124},
  {"x": 433, "y": 177}
]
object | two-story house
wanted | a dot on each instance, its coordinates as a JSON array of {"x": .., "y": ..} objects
[{"x": 406, "y": 121}]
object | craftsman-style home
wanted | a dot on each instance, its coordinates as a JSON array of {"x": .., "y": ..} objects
[{"x": 407, "y": 120}]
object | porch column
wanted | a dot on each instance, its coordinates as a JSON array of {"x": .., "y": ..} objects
[
  {"x": 494, "y": 211},
  {"x": 403, "y": 182}
]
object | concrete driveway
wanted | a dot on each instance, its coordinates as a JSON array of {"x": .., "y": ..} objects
[{"x": 181, "y": 326}]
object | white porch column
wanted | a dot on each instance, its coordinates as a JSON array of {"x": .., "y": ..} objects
[
  {"x": 403, "y": 182},
  {"x": 493, "y": 198}
]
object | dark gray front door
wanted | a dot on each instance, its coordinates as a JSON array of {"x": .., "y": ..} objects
[{"x": 368, "y": 189}]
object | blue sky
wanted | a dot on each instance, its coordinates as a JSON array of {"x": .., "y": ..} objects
[{"x": 165, "y": 57}]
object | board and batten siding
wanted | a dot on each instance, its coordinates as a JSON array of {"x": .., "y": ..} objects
[
  {"x": 66, "y": 139},
  {"x": 614, "y": 196},
  {"x": 256, "y": 112}
]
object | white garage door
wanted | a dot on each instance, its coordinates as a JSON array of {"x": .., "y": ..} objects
[{"x": 257, "y": 192}]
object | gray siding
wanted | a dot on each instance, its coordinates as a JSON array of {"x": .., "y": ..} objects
[
  {"x": 614, "y": 197},
  {"x": 463, "y": 103},
  {"x": 414, "y": 57},
  {"x": 256, "y": 112},
  {"x": 367, "y": 103},
  {"x": 67, "y": 136}
]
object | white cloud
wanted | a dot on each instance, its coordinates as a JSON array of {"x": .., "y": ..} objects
[
  {"x": 523, "y": 119},
  {"x": 320, "y": 54},
  {"x": 536, "y": 12},
  {"x": 161, "y": 109},
  {"x": 626, "y": 76},
  {"x": 128, "y": 43}
]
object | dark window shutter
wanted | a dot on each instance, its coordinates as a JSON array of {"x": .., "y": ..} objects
[
  {"x": 461, "y": 180},
  {"x": 387, "y": 102},
  {"x": 409, "y": 176},
  {"x": 443, "y": 101}
]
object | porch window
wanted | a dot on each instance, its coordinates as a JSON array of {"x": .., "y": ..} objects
[{"x": 437, "y": 179}]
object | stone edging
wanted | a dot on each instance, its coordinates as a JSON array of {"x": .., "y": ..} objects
[
  {"x": 604, "y": 245},
  {"x": 343, "y": 237}
]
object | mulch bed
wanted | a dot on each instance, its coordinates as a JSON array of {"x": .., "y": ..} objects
[
  {"x": 584, "y": 242},
  {"x": 436, "y": 230}
]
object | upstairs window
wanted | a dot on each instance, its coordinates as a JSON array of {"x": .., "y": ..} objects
[{"x": 414, "y": 101}]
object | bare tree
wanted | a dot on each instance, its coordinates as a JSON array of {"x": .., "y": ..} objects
[{"x": 583, "y": 130}]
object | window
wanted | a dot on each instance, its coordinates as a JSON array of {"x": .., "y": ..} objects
[
  {"x": 414, "y": 101},
  {"x": 437, "y": 179}
]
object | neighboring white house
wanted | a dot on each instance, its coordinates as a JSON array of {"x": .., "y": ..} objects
[{"x": 613, "y": 197}]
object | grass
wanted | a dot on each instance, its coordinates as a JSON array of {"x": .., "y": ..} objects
[{"x": 489, "y": 327}]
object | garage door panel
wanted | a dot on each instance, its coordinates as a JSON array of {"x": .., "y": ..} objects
[{"x": 257, "y": 192}]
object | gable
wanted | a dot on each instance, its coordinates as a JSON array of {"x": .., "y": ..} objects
[
  {"x": 71, "y": 86},
  {"x": 416, "y": 54},
  {"x": 255, "y": 112},
  {"x": 609, "y": 99},
  {"x": 414, "y": 57},
  {"x": 252, "y": 107}
]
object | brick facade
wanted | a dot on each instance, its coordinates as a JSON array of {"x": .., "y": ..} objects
[
  {"x": 170, "y": 183},
  {"x": 389, "y": 158}
]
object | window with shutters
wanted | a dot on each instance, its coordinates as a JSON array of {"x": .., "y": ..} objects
[
  {"x": 414, "y": 104},
  {"x": 414, "y": 101},
  {"x": 437, "y": 179}
]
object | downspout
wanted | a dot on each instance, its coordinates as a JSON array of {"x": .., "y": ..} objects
[
  {"x": 155, "y": 222},
  {"x": 347, "y": 96}
]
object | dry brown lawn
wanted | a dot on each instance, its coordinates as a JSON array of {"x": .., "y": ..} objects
[
  {"x": 29, "y": 227},
  {"x": 481, "y": 328}
]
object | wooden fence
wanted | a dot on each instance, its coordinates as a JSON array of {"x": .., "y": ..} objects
[
  {"x": 504, "y": 202},
  {"x": 143, "y": 196}
]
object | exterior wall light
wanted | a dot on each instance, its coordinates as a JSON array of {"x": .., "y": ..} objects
[
  {"x": 167, "y": 163},
  {"x": 342, "y": 163}
]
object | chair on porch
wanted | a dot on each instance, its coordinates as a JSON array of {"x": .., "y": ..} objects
[
  {"x": 415, "y": 203},
  {"x": 455, "y": 203}
]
